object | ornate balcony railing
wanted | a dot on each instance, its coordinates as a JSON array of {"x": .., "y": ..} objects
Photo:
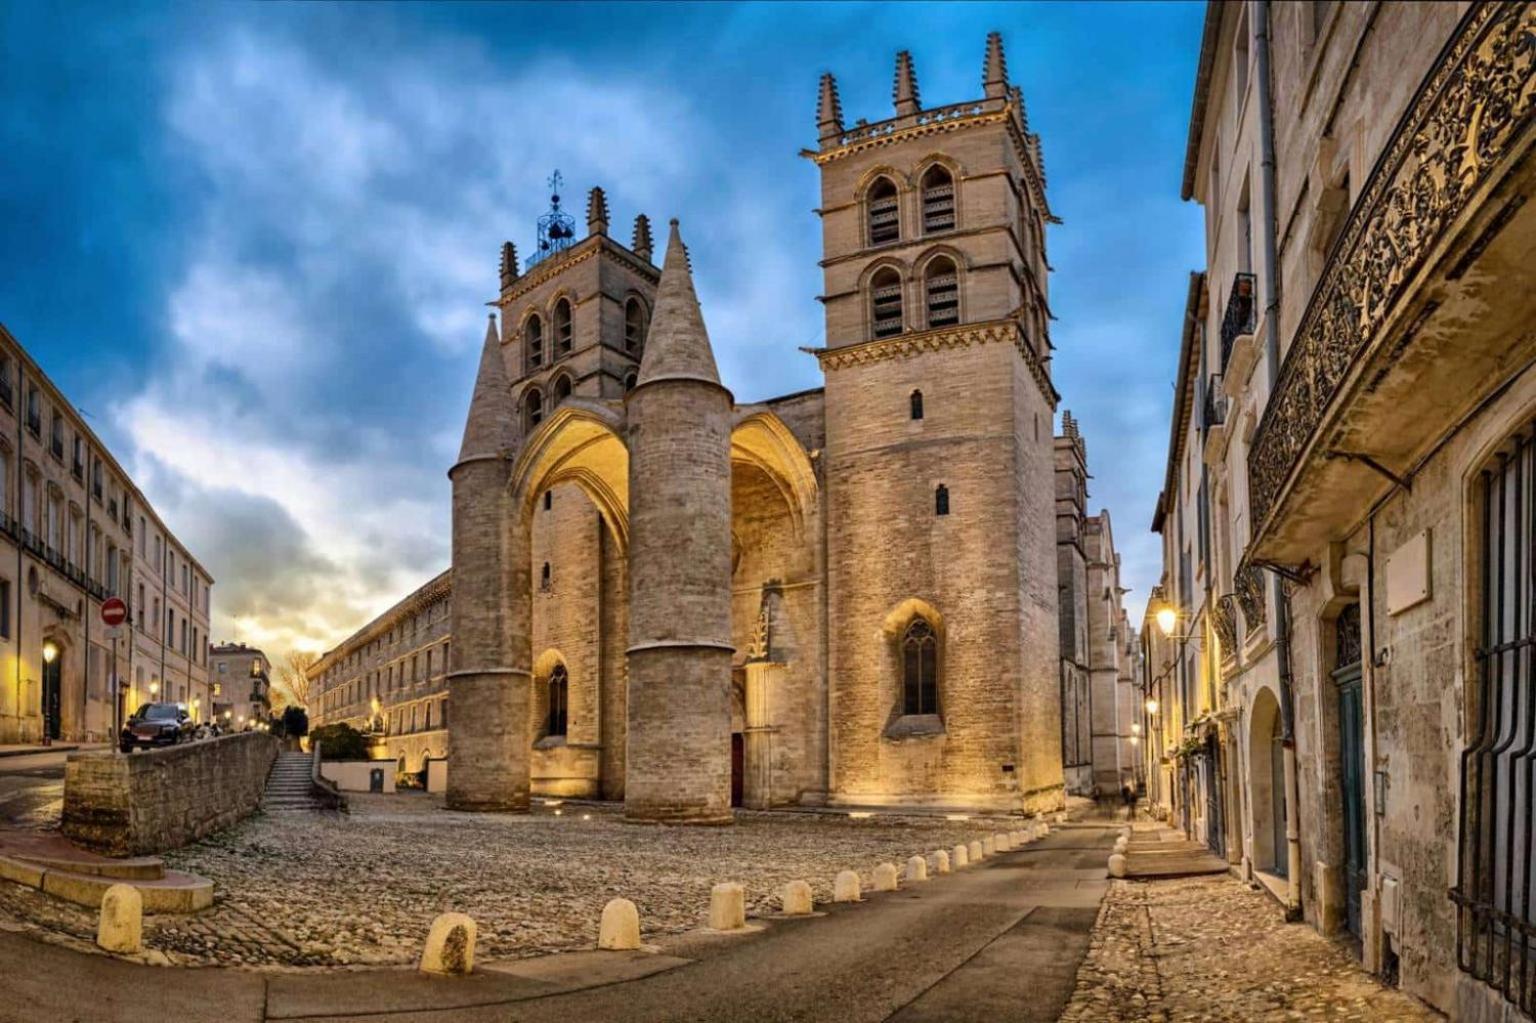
[
  {"x": 1249, "y": 583},
  {"x": 1239, "y": 319},
  {"x": 1470, "y": 112},
  {"x": 1224, "y": 620}
]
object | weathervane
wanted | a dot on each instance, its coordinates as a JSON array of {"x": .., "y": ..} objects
[{"x": 557, "y": 229}]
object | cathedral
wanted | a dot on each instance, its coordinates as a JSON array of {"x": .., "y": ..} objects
[{"x": 841, "y": 597}]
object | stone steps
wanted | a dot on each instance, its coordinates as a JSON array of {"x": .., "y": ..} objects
[
  {"x": 50, "y": 864},
  {"x": 290, "y": 788}
]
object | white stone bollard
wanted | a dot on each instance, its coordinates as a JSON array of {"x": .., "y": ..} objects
[
  {"x": 1120, "y": 844},
  {"x": 940, "y": 861},
  {"x": 619, "y": 929},
  {"x": 727, "y": 907},
  {"x": 988, "y": 846},
  {"x": 121, "y": 927},
  {"x": 1002, "y": 842},
  {"x": 917, "y": 869},
  {"x": 450, "y": 948},
  {"x": 977, "y": 852},
  {"x": 885, "y": 877},
  {"x": 795, "y": 899},
  {"x": 1117, "y": 865},
  {"x": 960, "y": 857},
  {"x": 846, "y": 887}
]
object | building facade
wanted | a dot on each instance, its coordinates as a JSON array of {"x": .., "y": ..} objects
[
  {"x": 1100, "y": 653},
  {"x": 845, "y": 596},
  {"x": 389, "y": 680},
  {"x": 240, "y": 679},
  {"x": 74, "y": 531},
  {"x": 1342, "y": 700}
]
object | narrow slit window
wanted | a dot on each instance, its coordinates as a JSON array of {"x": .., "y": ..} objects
[
  {"x": 559, "y": 698},
  {"x": 917, "y": 404},
  {"x": 941, "y": 500}
]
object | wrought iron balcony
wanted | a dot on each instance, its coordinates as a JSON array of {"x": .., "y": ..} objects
[
  {"x": 1400, "y": 323},
  {"x": 1240, "y": 317}
]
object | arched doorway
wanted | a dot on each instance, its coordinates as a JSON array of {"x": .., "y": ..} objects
[{"x": 1266, "y": 766}]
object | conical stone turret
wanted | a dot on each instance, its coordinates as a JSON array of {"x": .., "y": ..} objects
[
  {"x": 488, "y": 694},
  {"x": 678, "y": 755}
]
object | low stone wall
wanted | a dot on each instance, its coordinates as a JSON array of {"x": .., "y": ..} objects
[{"x": 142, "y": 803}]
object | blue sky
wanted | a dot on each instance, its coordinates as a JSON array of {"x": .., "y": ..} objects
[{"x": 254, "y": 242}]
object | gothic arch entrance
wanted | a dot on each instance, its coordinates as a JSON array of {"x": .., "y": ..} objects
[{"x": 1266, "y": 767}]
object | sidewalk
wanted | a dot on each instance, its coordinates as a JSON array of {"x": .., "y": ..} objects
[
  {"x": 26, "y": 751},
  {"x": 1213, "y": 948}
]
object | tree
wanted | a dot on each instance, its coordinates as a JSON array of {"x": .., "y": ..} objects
[
  {"x": 295, "y": 722},
  {"x": 340, "y": 742},
  {"x": 293, "y": 677}
]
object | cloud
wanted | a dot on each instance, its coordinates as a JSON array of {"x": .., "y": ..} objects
[{"x": 321, "y": 333}]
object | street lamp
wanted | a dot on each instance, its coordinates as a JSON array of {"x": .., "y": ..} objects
[
  {"x": 50, "y": 652},
  {"x": 1151, "y": 706},
  {"x": 154, "y": 689}
]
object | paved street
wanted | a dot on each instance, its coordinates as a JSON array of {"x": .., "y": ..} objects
[
  {"x": 1000, "y": 942},
  {"x": 32, "y": 788}
]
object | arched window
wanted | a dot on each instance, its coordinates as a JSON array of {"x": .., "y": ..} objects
[
  {"x": 920, "y": 669},
  {"x": 917, "y": 404},
  {"x": 533, "y": 408},
  {"x": 562, "y": 388},
  {"x": 885, "y": 303},
  {"x": 559, "y": 701},
  {"x": 938, "y": 201},
  {"x": 634, "y": 325},
  {"x": 562, "y": 328},
  {"x": 884, "y": 212},
  {"x": 533, "y": 340},
  {"x": 941, "y": 292},
  {"x": 941, "y": 500}
]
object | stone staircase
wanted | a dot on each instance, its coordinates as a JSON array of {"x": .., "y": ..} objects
[
  {"x": 46, "y": 861},
  {"x": 289, "y": 786}
]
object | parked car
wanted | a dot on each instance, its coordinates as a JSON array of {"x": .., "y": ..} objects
[{"x": 156, "y": 724}]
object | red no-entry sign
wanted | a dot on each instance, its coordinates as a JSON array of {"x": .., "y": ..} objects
[{"x": 114, "y": 612}]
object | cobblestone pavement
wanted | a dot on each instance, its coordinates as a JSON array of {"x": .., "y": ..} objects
[
  {"x": 1213, "y": 949},
  {"x": 329, "y": 890}
]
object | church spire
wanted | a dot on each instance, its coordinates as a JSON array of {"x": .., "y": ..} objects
[
  {"x": 677, "y": 345},
  {"x": 641, "y": 246},
  {"x": 508, "y": 264},
  {"x": 491, "y": 427},
  {"x": 829, "y": 109},
  {"x": 905, "y": 89},
  {"x": 994, "y": 77},
  {"x": 597, "y": 212}
]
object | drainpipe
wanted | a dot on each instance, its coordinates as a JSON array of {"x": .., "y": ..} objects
[{"x": 1259, "y": 20}]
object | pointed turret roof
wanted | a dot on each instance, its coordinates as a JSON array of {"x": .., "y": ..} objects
[
  {"x": 994, "y": 75},
  {"x": 829, "y": 108},
  {"x": 904, "y": 92},
  {"x": 491, "y": 427},
  {"x": 677, "y": 345}
]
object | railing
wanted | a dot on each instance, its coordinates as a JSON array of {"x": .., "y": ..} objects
[
  {"x": 861, "y": 130},
  {"x": 1249, "y": 582},
  {"x": 1240, "y": 317}
]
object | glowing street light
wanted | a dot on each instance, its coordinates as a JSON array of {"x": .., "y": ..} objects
[
  {"x": 1167, "y": 619},
  {"x": 50, "y": 652},
  {"x": 154, "y": 689},
  {"x": 1151, "y": 705}
]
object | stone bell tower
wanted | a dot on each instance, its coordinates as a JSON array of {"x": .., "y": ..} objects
[
  {"x": 939, "y": 403},
  {"x": 679, "y": 415}
]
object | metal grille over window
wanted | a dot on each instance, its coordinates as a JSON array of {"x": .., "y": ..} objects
[
  {"x": 1496, "y": 919},
  {"x": 884, "y": 213},
  {"x": 942, "y": 287},
  {"x": 938, "y": 201},
  {"x": 920, "y": 667},
  {"x": 885, "y": 302}
]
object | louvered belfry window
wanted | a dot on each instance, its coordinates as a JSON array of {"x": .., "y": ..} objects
[
  {"x": 563, "y": 327},
  {"x": 533, "y": 335},
  {"x": 1495, "y": 893},
  {"x": 885, "y": 303},
  {"x": 941, "y": 286},
  {"x": 938, "y": 201},
  {"x": 884, "y": 213}
]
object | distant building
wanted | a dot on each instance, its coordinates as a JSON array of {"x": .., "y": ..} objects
[
  {"x": 75, "y": 530},
  {"x": 240, "y": 677},
  {"x": 1099, "y": 649}
]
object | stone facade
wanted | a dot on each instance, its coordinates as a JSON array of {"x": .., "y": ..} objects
[
  {"x": 239, "y": 677},
  {"x": 75, "y": 530},
  {"x": 163, "y": 799},
  {"x": 1347, "y": 494},
  {"x": 845, "y": 596}
]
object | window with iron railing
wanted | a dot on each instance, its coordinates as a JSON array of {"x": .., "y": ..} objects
[
  {"x": 1239, "y": 318},
  {"x": 1496, "y": 910}
]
